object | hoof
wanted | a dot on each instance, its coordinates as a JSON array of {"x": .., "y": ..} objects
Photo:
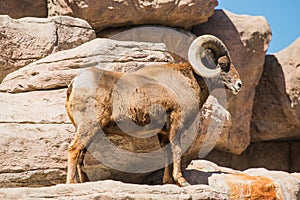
[{"x": 182, "y": 182}]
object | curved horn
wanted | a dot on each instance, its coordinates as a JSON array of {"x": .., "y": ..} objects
[{"x": 200, "y": 58}]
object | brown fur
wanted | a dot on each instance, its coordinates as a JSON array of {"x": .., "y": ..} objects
[{"x": 139, "y": 108}]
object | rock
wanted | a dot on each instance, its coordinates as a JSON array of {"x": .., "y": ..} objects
[
  {"x": 107, "y": 190},
  {"x": 29, "y": 39},
  {"x": 26, "y": 8},
  {"x": 212, "y": 132},
  {"x": 33, "y": 154},
  {"x": 35, "y": 133},
  {"x": 103, "y": 14},
  {"x": 221, "y": 184},
  {"x": 282, "y": 156},
  {"x": 155, "y": 34},
  {"x": 44, "y": 107},
  {"x": 57, "y": 70},
  {"x": 276, "y": 112},
  {"x": 287, "y": 184},
  {"x": 247, "y": 39}
]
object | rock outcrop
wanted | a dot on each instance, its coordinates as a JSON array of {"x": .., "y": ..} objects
[
  {"x": 35, "y": 129},
  {"x": 272, "y": 155},
  {"x": 57, "y": 70},
  {"x": 28, "y": 39},
  {"x": 40, "y": 56},
  {"x": 103, "y": 14},
  {"x": 216, "y": 183},
  {"x": 35, "y": 133},
  {"x": 247, "y": 39},
  {"x": 37, "y": 105},
  {"x": 276, "y": 112}
]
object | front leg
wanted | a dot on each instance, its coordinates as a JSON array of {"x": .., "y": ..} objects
[
  {"x": 82, "y": 176},
  {"x": 176, "y": 153}
]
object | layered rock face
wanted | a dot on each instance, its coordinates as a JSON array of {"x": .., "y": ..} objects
[
  {"x": 102, "y": 14},
  {"x": 40, "y": 56},
  {"x": 247, "y": 39},
  {"x": 212, "y": 182},
  {"x": 276, "y": 113},
  {"x": 29, "y": 39}
]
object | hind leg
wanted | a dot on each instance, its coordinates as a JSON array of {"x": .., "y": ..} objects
[
  {"x": 164, "y": 141},
  {"x": 176, "y": 154},
  {"x": 76, "y": 151},
  {"x": 73, "y": 155}
]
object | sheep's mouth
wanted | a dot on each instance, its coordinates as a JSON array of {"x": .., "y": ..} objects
[{"x": 235, "y": 90}]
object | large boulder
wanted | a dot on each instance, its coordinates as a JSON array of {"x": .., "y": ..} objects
[
  {"x": 103, "y": 14},
  {"x": 28, "y": 111},
  {"x": 57, "y": 70},
  {"x": 276, "y": 112},
  {"x": 35, "y": 133},
  {"x": 25, "y": 8},
  {"x": 247, "y": 39},
  {"x": 29, "y": 39}
]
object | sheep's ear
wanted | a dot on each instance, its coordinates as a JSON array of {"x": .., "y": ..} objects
[{"x": 224, "y": 63}]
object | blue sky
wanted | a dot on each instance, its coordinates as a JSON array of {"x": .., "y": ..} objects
[{"x": 283, "y": 17}]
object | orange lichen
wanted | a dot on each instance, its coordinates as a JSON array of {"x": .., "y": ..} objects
[{"x": 242, "y": 186}]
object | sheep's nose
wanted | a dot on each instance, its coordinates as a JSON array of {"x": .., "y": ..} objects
[{"x": 238, "y": 84}]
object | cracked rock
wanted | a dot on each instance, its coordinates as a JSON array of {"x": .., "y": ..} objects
[{"x": 26, "y": 40}]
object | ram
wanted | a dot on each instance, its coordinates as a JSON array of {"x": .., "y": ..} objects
[{"x": 158, "y": 100}]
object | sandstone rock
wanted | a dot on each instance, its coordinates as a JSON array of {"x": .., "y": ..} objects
[
  {"x": 283, "y": 156},
  {"x": 247, "y": 39},
  {"x": 26, "y": 8},
  {"x": 220, "y": 183},
  {"x": 44, "y": 107},
  {"x": 35, "y": 133},
  {"x": 57, "y": 70},
  {"x": 177, "y": 40},
  {"x": 29, "y": 39},
  {"x": 276, "y": 112},
  {"x": 212, "y": 132},
  {"x": 33, "y": 154},
  {"x": 107, "y": 190},
  {"x": 103, "y": 14}
]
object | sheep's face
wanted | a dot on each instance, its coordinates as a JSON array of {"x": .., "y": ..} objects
[{"x": 230, "y": 76}]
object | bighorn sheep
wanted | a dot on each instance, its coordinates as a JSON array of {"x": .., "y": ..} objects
[{"x": 174, "y": 91}]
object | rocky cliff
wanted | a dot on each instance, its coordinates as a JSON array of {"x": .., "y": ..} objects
[{"x": 45, "y": 44}]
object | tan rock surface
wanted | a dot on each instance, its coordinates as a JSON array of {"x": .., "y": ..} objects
[
  {"x": 247, "y": 39},
  {"x": 57, "y": 70},
  {"x": 276, "y": 112},
  {"x": 221, "y": 183},
  {"x": 102, "y": 14},
  {"x": 25, "y": 8},
  {"x": 35, "y": 133},
  {"x": 29, "y": 39}
]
